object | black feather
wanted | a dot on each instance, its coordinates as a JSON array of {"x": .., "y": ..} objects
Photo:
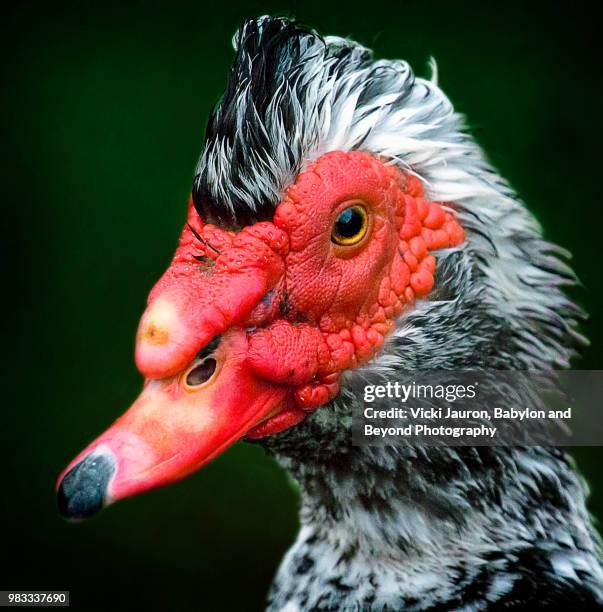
[{"x": 268, "y": 55}]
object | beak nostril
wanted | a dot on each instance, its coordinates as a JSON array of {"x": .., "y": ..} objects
[{"x": 201, "y": 373}]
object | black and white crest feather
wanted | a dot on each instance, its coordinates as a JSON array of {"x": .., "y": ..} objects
[
  {"x": 253, "y": 139},
  {"x": 291, "y": 95}
]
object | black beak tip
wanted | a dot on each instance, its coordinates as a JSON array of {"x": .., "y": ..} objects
[{"x": 82, "y": 491}]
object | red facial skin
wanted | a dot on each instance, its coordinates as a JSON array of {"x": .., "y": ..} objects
[{"x": 295, "y": 310}]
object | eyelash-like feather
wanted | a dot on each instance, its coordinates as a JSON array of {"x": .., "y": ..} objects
[{"x": 202, "y": 241}]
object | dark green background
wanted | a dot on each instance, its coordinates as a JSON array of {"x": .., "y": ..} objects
[{"x": 104, "y": 106}]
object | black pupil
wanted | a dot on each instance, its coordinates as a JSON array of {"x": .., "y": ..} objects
[
  {"x": 349, "y": 223},
  {"x": 201, "y": 373}
]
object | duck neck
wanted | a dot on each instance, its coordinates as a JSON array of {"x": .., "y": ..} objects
[
  {"x": 397, "y": 502},
  {"x": 414, "y": 528}
]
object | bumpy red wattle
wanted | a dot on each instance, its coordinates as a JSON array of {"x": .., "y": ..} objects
[{"x": 350, "y": 295}]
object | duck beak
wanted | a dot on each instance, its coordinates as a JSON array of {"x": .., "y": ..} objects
[
  {"x": 197, "y": 398},
  {"x": 174, "y": 427}
]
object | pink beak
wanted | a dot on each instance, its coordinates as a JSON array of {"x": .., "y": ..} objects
[{"x": 195, "y": 401}]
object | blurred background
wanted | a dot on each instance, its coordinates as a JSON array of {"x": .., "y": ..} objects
[{"x": 104, "y": 106}]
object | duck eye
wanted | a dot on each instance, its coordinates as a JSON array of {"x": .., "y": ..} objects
[
  {"x": 350, "y": 226},
  {"x": 200, "y": 373}
]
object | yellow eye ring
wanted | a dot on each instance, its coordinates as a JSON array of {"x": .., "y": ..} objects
[{"x": 351, "y": 225}]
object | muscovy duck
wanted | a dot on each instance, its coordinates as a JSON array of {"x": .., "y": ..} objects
[{"x": 343, "y": 224}]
